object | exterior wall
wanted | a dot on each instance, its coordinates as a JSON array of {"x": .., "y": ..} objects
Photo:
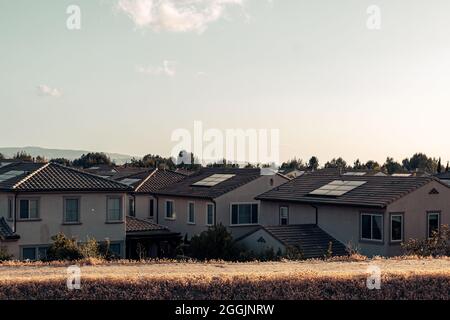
[
  {"x": 298, "y": 213},
  {"x": 252, "y": 242},
  {"x": 415, "y": 207},
  {"x": 142, "y": 206},
  {"x": 243, "y": 194},
  {"x": 93, "y": 224}
]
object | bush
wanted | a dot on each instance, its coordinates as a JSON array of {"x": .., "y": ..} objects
[
  {"x": 64, "y": 248},
  {"x": 437, "y": 245},
  {"x": 215, "y": 243},
  {"x": 4, "y": 255}
]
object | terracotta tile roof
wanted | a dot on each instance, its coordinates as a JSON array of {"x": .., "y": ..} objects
[
  {"x": 185, "y": 187},
  {"x": 378, "y": 191},
  {"x": 158, "y": 180},
  {"x": 134, "y": 224},
  {"x": 55, "y": 177},
  {"x": 6, "y": 232}
]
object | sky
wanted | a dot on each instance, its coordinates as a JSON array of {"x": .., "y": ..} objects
[{"x": 137, "y": 70}]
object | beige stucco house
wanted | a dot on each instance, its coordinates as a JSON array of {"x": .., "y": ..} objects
[
  {"x": 37, "y": 201},
  {"x": 373, "y": 214},
  {"x": 212, "y": 196}
]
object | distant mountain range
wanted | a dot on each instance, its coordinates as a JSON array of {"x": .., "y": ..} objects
[{"x": 61, "y": 153}]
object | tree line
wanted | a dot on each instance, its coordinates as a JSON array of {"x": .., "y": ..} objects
[{"x": 418, "y": 162}]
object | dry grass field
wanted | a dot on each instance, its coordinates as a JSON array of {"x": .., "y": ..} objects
[{"x": 402, "y": 278}]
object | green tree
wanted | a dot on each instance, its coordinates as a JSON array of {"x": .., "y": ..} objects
[
  {"x": 215, "y": 243},
  {"x": 420, "y": 162},
  {"x": 293, "y": 164},
  {"x": 439, "y": 166},
  {"x": 313, "y": 163},
  {"x": 22, "y": 156},
  {"x": 62, "y": 161},
  {"x": 92, "y": 159},
  {"x": 2, "y": 157},
  {"x": 391, "y": 166},
  {"x": 336, "y": 163}
]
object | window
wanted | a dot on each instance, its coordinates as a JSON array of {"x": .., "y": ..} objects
[
  {"x": 432, "y": 223},
  {"x": 284, "y": 216},
  {"x": 244, "y": 213},
  {"x": 116, "y": 250},
  {"x": 114, "y": 209},
  {"x": 34, "y": 253},
  {"x": 169, "y": 210},
  {"x": 396, "y": 227},
  {"x": 10, "y": 208},
  {"x": 152, "y": 208},
  {"x": 131, "y": 206},
  {"x": 372, "y": 227},
  {"x": 191, "y": 213},
  {"x": 72, "y": 210},
  {"x": 29, "y": 209},
  {"x": 209, "y": 214}
]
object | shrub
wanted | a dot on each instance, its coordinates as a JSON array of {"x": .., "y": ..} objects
[
  {"x": 215, "y": 243},
  {"x": 437, "y": 245},
  {"x": 90, "y": 249},
  {"x": 63, "y": 248},
  {"x": 4, "y": 255}
]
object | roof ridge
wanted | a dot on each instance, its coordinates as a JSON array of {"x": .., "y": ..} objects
[
  {"x": 146, "y": 179},
  {"x": 31, "y": 175},
  {"x": 88, "y": 174}
]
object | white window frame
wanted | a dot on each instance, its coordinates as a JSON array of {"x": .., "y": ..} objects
[
  {"x": 429, "y": 213},
  {"x": 371, "y": 229},
  {"x": 206, "y": 214},
  {"x": 131, "y": 209},
  {"x": 65, "y": 212},
  {"x": 36, "y": 251},
  {"x": 188, "y": 212},
  {"x": 390, "y": 226},
  {"x": 11, "y": 209},
  {"x": 38, "y": 208},
  {"x": 279, "y": 215},
  {"x": 121, "y": 205},
  {"x": 243, "y": 224},
  {"x": 173, "y": 210}
]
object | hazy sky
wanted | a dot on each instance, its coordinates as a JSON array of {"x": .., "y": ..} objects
[{"x": 136, "y": 71}]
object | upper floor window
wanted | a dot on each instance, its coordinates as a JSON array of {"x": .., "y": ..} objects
[
  {"x": 284, "y": 216},
  {"x": 191, "y": 213},
  {"x": 209, "y": 214},
  {"x": 10, "y": 209},
  {"x": 244, "y": 213},
  {"x": 131, "y": 207},
  {"x": 29, "y": 209},
  {"x": 71, "y": 210},
  {"x": 396, "y": 227},
  {"x": 114, "y": 209},
  {"x": 169, "y": 210},
  {"x": 372, "y": 226},
  {"x": 152, "y": 208},
  {"x": 432, "y": 223}
]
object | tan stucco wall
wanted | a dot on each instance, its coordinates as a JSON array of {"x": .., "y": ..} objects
[
  {"x": 415, "y": 207},
  {"x": 251, "y": 242},
  {"x": 245, "y": 193},
  {"x": 142, "y": 206},
  {"x": 92, "y": 217}
]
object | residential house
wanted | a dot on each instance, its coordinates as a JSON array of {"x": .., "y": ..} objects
[
  {"x": 212, "y": 196},
  {"x": 444, "y": 177},
  {"x": 38, "y": 201},
  {"x": 373, "y": 214}
]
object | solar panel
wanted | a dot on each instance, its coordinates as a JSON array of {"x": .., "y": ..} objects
[
  {"x": 213, "y": 180},
  {"x": 354, "y": 174},
  {"x": 130, "y": 181},
  {"x": 337, "y": 188},
  {"x": 10, "y": 174}
]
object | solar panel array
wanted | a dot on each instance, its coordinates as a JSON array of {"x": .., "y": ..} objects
[
  {"x": 10, "y": 174},
  {"x": 129, "y": 181},
  {"x": 337, "y": 188},
  {"x": 213, "y": 180},
  {"x": 354, "y": 173}
]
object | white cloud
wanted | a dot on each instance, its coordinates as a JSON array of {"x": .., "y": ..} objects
[
  {"x": 167, "y": 68},
  {"x": 45, "y": 90},
  {"x": 175, "y": 15}
]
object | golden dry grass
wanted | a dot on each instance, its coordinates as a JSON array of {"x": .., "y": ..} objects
[{"x": 402, "y": 278}]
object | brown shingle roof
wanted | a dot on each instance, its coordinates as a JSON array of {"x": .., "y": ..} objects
[
  {"x": 158, "y": 180},
  {"x": 185, "y": 187},
  {"x": 55, "y": 177},
  {"x": 376, "y": 192}
]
